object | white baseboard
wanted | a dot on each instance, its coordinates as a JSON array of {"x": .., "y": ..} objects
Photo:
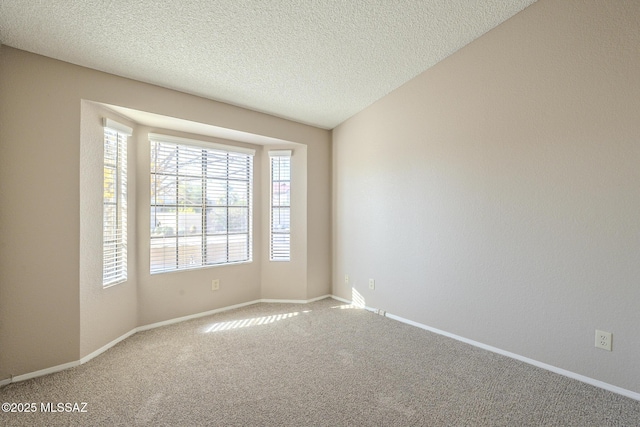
[
  {"x": 42, "y": 372},
  {"x": 106, "y": 347},
  {"x": 346, "y": 301},
  {"x": 564, "y": 372},
  {"x": 121, "y": 338},
  {"x": 294, "y": 301},
  {"x": 193, "y": 316},
  {"x": 220, "y": 310},
  {"x": 318, "y": 298}
]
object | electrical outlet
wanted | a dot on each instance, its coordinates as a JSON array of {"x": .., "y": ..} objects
[
  {"x": 603, "y": 340},
  {"x": 215, "y": 284},
  {"x": 346, "y": 279},
  {"x": 372, "y": 284}
]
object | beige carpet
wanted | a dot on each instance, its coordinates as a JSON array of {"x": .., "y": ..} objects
[{"x": 317, "y": 364}]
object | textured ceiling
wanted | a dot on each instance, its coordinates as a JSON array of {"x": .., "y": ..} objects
[{"x": 313, "y": 61}]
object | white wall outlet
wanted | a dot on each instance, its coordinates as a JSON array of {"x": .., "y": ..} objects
[
  {"x": 346, "y": 279},
  {"x": 372, "y": 284},
  {"x": 603, "y": 340},
  {"x": 215, "y": 284}
]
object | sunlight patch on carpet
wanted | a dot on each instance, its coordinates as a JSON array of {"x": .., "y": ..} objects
[{"x": 255, "y": 321}]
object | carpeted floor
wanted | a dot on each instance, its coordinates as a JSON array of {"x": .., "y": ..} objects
[{"x": 318, "y": 364}]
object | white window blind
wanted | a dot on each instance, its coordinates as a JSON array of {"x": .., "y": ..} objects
[
  {"x": 201, "y": 203},
  {"x": 280, "y": 239},
  {"x": 114, "y": 207}
]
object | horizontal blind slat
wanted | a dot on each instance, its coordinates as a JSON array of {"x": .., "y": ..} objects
[
  {"x": 200, "y": 198},
  {"x": 114, "y": 208},
  {"x": 280, "y": 224}
]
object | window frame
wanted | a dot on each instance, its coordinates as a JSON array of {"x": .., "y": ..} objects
[
  {"x": 114, "y": 230},
  {"x": 279, "y": 239},
  {"x": 196, "y": 219}
]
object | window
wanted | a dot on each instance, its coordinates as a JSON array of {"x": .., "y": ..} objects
[
  {"x": 114, "y": 204},
  {"x": 280, "y": 240},
  {"x": 201, "y": 202}
]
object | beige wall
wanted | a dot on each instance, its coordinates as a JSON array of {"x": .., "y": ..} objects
[
  {"x": 39, "y": 214},
  {"x": 318, "y": 222},
  {"x": 51, "y": 310},
  {"x": 116, "y": 306},
  {"x": 496, "y": 196},
  {"x": 172, "y": 295}
]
